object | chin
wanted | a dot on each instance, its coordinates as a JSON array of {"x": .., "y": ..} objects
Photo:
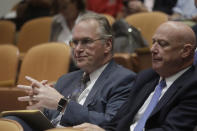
[
  {"x": 81, "y": 65},
  {"x": 156, "y": 67}
]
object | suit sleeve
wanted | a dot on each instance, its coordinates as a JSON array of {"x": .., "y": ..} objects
[{"x": 76, "y": 114}]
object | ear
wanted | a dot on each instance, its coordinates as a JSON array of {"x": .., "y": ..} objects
[
  {"x": 186, "y": 51},
  {"x": 108, "y": 46}
]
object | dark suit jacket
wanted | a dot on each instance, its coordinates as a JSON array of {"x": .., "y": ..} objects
[
  {"x": 176, "y": 111},
  {"x": 107, "y": 95}
]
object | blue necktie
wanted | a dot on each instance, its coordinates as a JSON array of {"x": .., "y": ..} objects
[{"x": 141, "y": 123}]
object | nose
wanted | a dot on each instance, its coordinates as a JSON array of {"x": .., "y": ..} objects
[
  {"x": 154, "y": 48},
  {"x": 78, "y": 48}
]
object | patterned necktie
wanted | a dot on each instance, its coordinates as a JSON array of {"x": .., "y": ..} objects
[
  {"x": 141, "y": 123},
  {"x": 76, "y": 93}
]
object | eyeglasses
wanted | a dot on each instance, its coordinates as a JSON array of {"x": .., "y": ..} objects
[{"x": 84, "y": 42}]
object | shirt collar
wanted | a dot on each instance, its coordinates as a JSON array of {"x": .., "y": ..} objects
[
  {"x": 171, "y": 79},
  {"x": 95, "y": 74}
]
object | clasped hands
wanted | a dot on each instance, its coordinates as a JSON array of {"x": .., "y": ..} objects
[{"x": 40, "y": 95}]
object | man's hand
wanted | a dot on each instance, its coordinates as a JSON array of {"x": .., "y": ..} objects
[
  {"x": 40, "y": 95},
  {"x": 88, "y": 127}
]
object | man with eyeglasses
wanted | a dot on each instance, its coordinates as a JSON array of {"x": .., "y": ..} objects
[
  {"x": 163, "y": 98},
  {"x": 107, "y": 89}
]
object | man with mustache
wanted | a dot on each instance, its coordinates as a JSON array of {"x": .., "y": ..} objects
[
  {"x": 106, "y": 89},
  {"x": 163, "y": 98}
]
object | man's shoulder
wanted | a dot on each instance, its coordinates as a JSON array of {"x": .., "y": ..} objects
[
  {"x": 149, "y": 72},
  {"x": 189, "y": 76},
  {"x": 71, "y": 75},
  {"x": 115, "y": 68},
  {"x": 146, "y": 76},
  {"x": 124, "y": 70},
  {"x": 68, "y": 79}
]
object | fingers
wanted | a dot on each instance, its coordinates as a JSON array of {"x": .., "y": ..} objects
[
  {"x": 36, "y": 106},
  {"x": 34, "y": 82},
  {"x": 51, "y": 84},
  {"x": 44, "y": 82},
  {"x": 24, "y": 87},
  {"x": 28, "y": 98},
  {"x": 28, "y": 89},
  {"x": 88, "y": 127},
  {"x": 24, "y": 98},
  {"x": 32, "y": 100},
  {"x": 81, "y": 125}
]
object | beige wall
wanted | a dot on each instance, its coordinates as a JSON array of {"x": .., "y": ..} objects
[{"x": 6, "y": 5}]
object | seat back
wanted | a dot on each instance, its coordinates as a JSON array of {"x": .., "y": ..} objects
[
  {"x": 7, "y": 31},
  {"x": 147, "y": 23},
  {"x": 34, "y": 32},
  {"x": 9, "y": 125},
  {"x": 124, "y": 59},
  {"x": 144, "y": 59},
  {"x": 9, "y": 101},
  {"x": 45, "y": 62},
  {"x": 110, "y": 18},
  {"x": 9, "y": 57}
]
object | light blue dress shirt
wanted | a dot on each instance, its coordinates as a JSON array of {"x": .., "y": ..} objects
[{"x": 186, "y": 8}]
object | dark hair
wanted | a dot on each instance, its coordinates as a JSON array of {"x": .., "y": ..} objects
[
  {"x": 80, "y": 4},
  {"x": 56, "y": 7}
]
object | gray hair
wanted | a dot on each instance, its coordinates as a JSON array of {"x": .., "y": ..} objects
[{"x": 104, "y": 30}]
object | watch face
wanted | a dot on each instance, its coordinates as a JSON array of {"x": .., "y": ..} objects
[{"x": 62, "y": 104}]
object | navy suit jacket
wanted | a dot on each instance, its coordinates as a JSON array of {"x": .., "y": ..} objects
[
  {"x": 176, "y": 111},
  {"x": 107, "y": 95}
]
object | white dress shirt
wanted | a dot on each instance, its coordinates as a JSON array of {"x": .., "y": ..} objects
[
  {"x": 149, "y": 4},
  {"x": 65, "y": 34},
  {"x": 186, "y": 8}
]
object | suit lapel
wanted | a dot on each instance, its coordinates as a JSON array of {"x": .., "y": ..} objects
[
  {"x": 142, "y": 90},
  {"x": 171, "y": 91},
  {"x": 95, "y": 88},
  {"x": 144, "y": 93},
  {"x": 99, "y": 82}
]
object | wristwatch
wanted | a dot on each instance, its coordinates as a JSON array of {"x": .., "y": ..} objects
[{"x": 62, "y": 104}]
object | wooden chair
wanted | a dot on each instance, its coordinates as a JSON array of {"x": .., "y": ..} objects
[
  {"x": 64, "y": 129},
  {"x": 147, "y": 22},
  {"x": 110, "y": 18},
  {"x": 47, "y": 61},
  {"x": 7, "y": 31},
  {"x": 9, "y": 125},
  {"x": 143, "y": 58},
  {"x": 8, "y": 99},
  {"x": 9, "y": 56},
  {"x": 124, "y": 59},
  {"x": 34, "y": 32}
]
